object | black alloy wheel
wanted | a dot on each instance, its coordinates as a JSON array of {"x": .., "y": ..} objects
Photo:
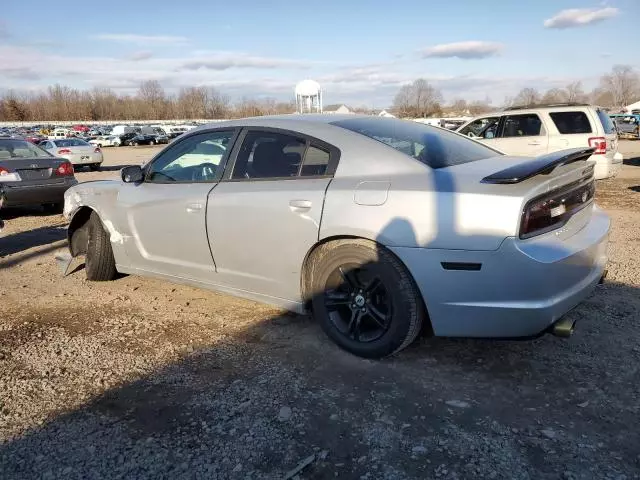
[{"x": 358, "y": 303}]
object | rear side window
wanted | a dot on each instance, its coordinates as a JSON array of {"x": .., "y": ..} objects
[
  {"x": 435, "y": 147},
  {"x": 607, "y": 124},
  {"x": 527, "y": 125},
  {"x": 569, "y": 123}
]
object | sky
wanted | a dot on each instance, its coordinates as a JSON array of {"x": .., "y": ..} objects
[{"x": 360, "y": 51}]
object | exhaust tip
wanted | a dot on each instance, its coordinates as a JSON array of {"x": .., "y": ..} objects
[{"x": 563, "y": 328}]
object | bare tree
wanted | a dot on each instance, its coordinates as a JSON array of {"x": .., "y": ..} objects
[
  {"x": 419, "y": 99},
  {"x": 479, "y": 107},
  {"x": 527, "y": 97},
  {"x": 554, "y": 95},
  {"x": 153, "y": 96},
  {"x": 623, "y": 83},
  {"x": 402, "y": 101},
  {"x": 575, "y": 93},
  {"x": 601, "y": 97}
]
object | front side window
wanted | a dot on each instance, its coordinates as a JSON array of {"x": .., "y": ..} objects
[
  {"x": 269, "y": 155},
  {"x": 569, "y": 123},
  {"x": 435, "y": 147},
  {"x": 486, "y": 128},
  {"x": 198, "y": 158},
  {"x": 526, "y": 125},
  {"x": 11, "y": 148}
]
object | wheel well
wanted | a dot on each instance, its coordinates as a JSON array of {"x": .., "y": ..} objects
[
  {"x": 77, "y": 231},
  {"x": 305, "y": 275}
]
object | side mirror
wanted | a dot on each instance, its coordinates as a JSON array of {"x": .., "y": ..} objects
[{"x": 132, "y": 174}]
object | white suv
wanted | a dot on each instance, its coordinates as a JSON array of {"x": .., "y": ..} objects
[{"x": 533, "y": 131}]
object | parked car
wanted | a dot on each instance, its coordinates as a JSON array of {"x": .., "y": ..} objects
[
  {"x": 376, "y": 225},
  {"x": 628, "y": 125},
  {"x": 125, "y": 137},
  {"x": 161, "y": 139},
  {"x": 106, "y": 141},
  {"x": 550, "y": 128},
  {"x": 78, "y": 152},
  {"x": 141, "y": 139},
  {"x": 43, "y": 178}
]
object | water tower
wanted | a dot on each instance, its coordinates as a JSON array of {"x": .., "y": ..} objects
[{"x": 308, "y": 97}]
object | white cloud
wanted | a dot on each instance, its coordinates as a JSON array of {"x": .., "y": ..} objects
[
  {"x": 31, "y": 69},
  {"x": 464, "y": 50},
  {"x": 139, "y": 56},
  {"x": 142, "y": 39},
  {"x": 226, "y": 61},
  {"x": 580, "y": 17}
]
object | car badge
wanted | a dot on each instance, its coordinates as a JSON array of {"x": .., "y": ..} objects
[{"x": 34, "y": 165}]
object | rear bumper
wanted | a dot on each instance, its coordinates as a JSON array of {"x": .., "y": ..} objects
[
  {"x": 520, "y": 290},
  {"x": 606, "y": 167},
  {"x": 94, "y": 159},
  {"x": 18, "y": 196}
]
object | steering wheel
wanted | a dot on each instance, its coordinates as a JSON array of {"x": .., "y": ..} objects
[{"x": 206, "y": 171}]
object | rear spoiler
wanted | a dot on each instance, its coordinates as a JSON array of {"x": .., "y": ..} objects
[{"x": 542, "y": 165}]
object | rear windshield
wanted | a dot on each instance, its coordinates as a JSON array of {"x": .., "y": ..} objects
[
  {"x": 71, "y": 142},
  {"x": 435, "y": 147},
  {"x": 571, "y": 122},
  {"x": 608, "y": 125},
  {"x": 11, "y": 148}
]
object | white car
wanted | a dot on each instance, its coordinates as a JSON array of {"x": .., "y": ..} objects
[
  {"x": 106, "y": 141},
  {"x": 544, "y": 129},
  {"x": 78, "y": 152}
]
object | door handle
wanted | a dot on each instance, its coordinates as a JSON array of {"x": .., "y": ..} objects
[
  {"x": 534, "y": 143},
  {"x": 194, "y": 207},
  {"x": 300, "y": 205}
]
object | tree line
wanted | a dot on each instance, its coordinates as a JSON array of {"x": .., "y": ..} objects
[
  {"x": 150, "y": 102},
  {"x": 616, "y": 89}
]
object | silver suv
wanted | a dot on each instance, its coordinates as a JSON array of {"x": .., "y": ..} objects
[{"x": 533, "y": 131}]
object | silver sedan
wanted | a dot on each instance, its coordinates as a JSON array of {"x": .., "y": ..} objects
[
  {"x": 382, "y": 228},
  {"x": 77, "y": 151}
]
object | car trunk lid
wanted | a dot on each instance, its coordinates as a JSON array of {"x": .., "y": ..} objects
[
  {"x": 560, "y": 178},
  {"x": 34, "y": 171}
]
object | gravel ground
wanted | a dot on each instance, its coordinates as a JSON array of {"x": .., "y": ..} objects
[{"x": 143, "y": 379}]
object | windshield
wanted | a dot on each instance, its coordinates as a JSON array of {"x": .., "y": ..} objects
[
  {"x": 71, "y": 142},
  {"x": 435, "y": 147},
  {"x": 11, "y": 148}
]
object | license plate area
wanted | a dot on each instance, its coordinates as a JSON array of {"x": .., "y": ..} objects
[
  {"x": 85, "y": 157},
  {"x": 35, "y": 174}
]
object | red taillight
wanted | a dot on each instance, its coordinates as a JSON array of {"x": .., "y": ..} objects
[
  {"x": 64, "y": 151},
  {"x": 551, "y": 211},
  {"x": 97, "y": 150},
  {"x": 600, "y": 144},
  {"x": 65, "y": 169},
  {"x": 3, "y": 171}
]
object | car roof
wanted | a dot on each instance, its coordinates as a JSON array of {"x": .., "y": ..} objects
[
  {"x": 560, "y": 107},
  {"x": 284, "y": 121}
]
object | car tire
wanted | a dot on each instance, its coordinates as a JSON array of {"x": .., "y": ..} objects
[
  {"x": 94, "y": 167},
  {"x": 135, "y": 144},
  {"x": 396, "y": 299},
  {"x": 152, "y": 142},
  {"x": 100, "y": 265}
]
